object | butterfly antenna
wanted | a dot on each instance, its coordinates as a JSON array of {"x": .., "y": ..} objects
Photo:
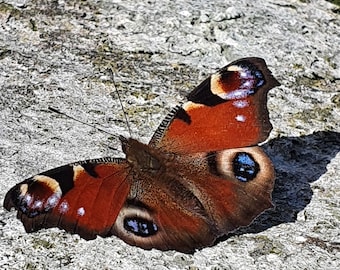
[
  {"x": 79, "y": 121},
  {"x": 120, "y": 101}
]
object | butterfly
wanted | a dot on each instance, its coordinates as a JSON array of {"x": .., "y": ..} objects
[{"x": 201, "y": 176}]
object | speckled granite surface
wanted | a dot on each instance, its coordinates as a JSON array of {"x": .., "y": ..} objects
[{"x": 56, "y": 53}]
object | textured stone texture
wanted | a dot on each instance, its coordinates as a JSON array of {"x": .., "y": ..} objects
[{"x": 56, "y": 53}]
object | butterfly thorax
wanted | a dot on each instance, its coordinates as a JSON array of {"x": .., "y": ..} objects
[
  {"x": 142, "y": 158},
  {"x": 151, "y": 167}
]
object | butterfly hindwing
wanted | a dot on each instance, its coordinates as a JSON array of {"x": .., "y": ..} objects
[{"x": 195, "y": 199}]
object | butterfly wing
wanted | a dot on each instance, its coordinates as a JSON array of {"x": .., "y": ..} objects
[
  {"x": 227, "y": 110},
  {"x": 83, "y": 198}
]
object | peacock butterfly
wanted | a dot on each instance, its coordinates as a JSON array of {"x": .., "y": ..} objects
[{"x": 201, "y": 176}]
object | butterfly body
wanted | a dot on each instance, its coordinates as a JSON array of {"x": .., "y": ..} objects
[{"x": 200, "y": 177}]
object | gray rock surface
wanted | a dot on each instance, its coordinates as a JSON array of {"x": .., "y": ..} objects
[{"x": 56, "y": 53}]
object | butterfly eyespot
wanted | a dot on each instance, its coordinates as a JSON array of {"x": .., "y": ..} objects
[
  {"x": 140, "y": 226},
  {"x": 37, "y": 195},
  {"x": 245, "y": 167}
]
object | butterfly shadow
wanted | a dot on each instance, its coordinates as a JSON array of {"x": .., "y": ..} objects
[{"x": 298, "y": 162}]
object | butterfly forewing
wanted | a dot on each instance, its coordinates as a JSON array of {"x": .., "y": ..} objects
[
  {"x": 227, "y": 110},
  {"x": 83, "y": 198}
]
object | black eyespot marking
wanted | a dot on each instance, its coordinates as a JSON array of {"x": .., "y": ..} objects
[
  {"x": 140, "y": 226},
  {"x": 245, "y": 167},
  {"x": 137, "y": 203}
]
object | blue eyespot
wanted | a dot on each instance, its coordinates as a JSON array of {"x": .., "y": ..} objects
[
  {"x": 140, "y": 226},
  {"x": 259, "y": 78},
  {"x": 245, "y": 167}
]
